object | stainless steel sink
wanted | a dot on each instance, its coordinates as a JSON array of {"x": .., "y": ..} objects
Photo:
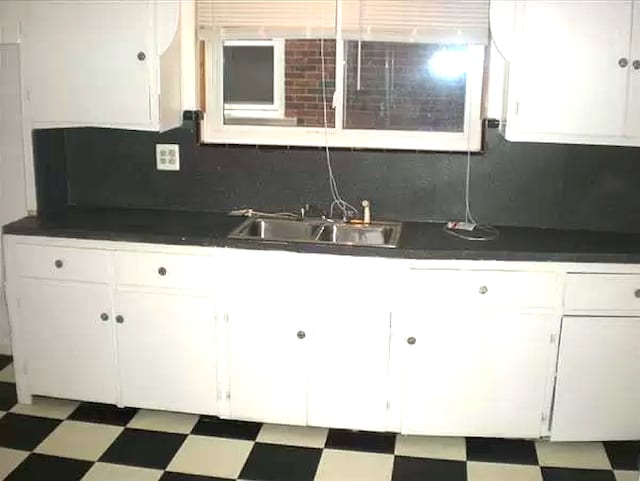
[
  {"x": 276, "y": 229},
  {"x": 319, "y": 231},
  {"x": 361, "y": 234}
]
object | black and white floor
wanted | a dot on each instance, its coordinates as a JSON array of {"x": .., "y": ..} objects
[{"x": 66, "y": 441}]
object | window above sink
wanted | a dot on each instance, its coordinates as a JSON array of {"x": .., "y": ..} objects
[{"x": 397, "y": 74}]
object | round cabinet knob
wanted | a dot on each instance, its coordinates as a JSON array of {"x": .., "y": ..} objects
[
  {"x": 58, "y": 263},
  {"x": 301, "y": 334},
  {"x": 623, "y": 62},
  {"x": 104, "y": 316},
  {"x": 637, "y": 293},
  {"x": 411, "y": 340},
  {"x": 636, "y": 64},
  {"x": 119, "y": 319},
  {"x": 141, "y": 55},
  {"x": 483, "y": 290},
  {"x": 162, "y": 271}
]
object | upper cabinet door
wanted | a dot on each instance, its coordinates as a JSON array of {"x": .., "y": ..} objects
[
  {"x": 89, "y": 63},
  {"x": 570, "y": 72},
  {"x": 633, "y": 108}
]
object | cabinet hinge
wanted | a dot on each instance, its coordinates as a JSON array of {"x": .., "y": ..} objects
[
  {"x": 552, "y": 338},
  {"x": 543, "y": 417},
  {"x": 228, "y": 396},
  {"x": 388, "y": 405}
]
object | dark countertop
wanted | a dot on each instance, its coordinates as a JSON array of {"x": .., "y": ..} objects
[{"x": 419, "y": 240}]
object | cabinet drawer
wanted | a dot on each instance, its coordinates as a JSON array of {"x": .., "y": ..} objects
[
  {"x": 163, "y": 270},
  {"x": 496, "y": 289},
  {"x": 65, "y": 263},
  {"x": 615, "y": 293}
]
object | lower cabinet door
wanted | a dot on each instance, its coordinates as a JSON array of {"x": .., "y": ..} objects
[
  {"x": 166, "y": 351},
  {"x": 349, "y": 368},
  {"x": 598, "y": 386},
  {"x": 67, "y": 332},
  {"x": 475, "y": 375},
  {"x": 267, "y": 364}
]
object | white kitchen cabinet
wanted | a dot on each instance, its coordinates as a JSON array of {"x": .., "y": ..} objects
[
  {"x": 104, "y": 63},
  {"x": 463, "y": 348},
  {"x": 598, "y": 389},
  {"x": 166, "y": 350},
  {"x": 265, "y": 326},
  {"x": 296, "y": 357},
  {"x": 69, "y": 348},
  {"x": 602, "y": 294},
  {"x": 267, "y": 362},
  {"x": 88, "y": 326},
  {"x": 11, "y": 15},
  {"x": 633, "y": 110},
  {"x": 570, "y": 73},
  {"x": 474, "y": 373},
  {"x": 348, "y": 367}
]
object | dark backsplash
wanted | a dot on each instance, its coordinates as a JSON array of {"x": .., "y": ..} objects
[{"x": 519, "y": 184}]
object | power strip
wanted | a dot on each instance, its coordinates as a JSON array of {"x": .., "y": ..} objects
[{"x": 459, "y": 225}]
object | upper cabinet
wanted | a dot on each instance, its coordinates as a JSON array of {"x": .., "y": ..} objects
[
  {"x": 105, "y": 64},
  {"x": 11, "y": 13},
  {"x": 574, "y": 71}
]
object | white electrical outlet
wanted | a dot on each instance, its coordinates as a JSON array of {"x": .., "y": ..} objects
[{"x": 167, "y": 157}]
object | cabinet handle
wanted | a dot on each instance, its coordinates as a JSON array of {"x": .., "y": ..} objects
[
  {"x": 58, "y": 263},
  {"x": 483, "y": 290},
  {"x": 301, "y": 334},
  {"x": 141, "y": 56},
  {"x": 162, "y": 271},
  {"x": 411, "y": 340},
  {"x": 104, "y": 316},
  {"x": 636, "y": 64},
  {"x": 637, "y": 293},
  {"x": 623, "y": 62},
  {"x": 119, "y": 319}
]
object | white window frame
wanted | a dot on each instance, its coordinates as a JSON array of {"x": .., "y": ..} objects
[
  {"x": 216, "y": 132},
  {"x": 259, "y": 111}
]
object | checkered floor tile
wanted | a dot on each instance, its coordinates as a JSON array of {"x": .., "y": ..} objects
[{"x": 63, "y": 440}]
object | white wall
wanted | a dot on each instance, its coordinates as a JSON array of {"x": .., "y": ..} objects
[{"x": 13, "y": 203}]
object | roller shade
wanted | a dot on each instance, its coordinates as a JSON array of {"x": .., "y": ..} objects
[
  {"x": 248, "y": 19},
  {"x": 430, "y": 21}
]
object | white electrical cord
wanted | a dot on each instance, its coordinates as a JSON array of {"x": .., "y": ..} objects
[
  {"x": 346, "y": 208},
  {"x": 479, "y": 232}
]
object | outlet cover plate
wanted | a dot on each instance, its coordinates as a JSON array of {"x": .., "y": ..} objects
[{"x": 167, "y": 157}]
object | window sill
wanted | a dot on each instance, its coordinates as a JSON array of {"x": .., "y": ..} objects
[
  {"x": 270, "y": 122},
  {"x": 355, "y": 139}
]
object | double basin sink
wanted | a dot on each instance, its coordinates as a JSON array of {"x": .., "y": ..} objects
[{"x": 319, "y": 231}]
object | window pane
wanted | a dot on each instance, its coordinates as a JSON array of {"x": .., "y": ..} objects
[
  {"x": 303, "y": 81},
  {"x": 248, "y": 74},
  {"x": 295, "y": 98},
  {"x": 405, "y": 86}
]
